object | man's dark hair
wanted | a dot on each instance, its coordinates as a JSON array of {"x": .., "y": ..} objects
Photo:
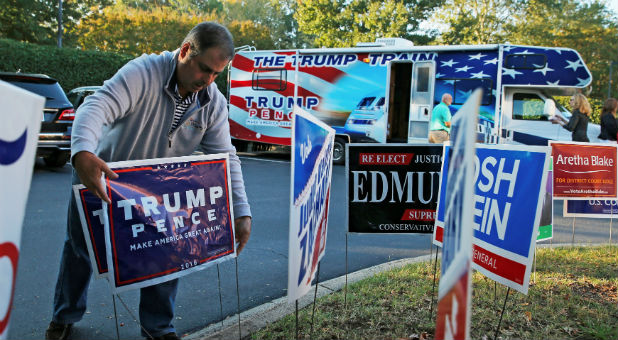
[{"x": 209, "y": 34}]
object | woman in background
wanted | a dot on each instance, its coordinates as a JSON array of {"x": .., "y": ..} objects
[
  {"x": 578, "y": 124},
  {"x": 609, "y": 126}
]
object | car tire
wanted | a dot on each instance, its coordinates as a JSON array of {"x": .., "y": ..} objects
[
  {"x": 57, "y": 159},
  {"x": 339, "y": 151}
]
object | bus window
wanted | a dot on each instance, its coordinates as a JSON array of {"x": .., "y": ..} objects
[
  {"x": 525, "y": 61},
  {"x": 528, "y": 106},
  {"x": 264, "y": 79}
]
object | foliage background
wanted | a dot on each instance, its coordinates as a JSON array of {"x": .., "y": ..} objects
[
  {"x": 72, "y": 68},
  {"x": 100, "y": 35}
]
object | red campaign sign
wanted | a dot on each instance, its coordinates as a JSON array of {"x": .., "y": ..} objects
[
  {"x": 453, "y": 311},
  {"x": 497, "y": 264},
  {"x": 385, "y": 158},
  {"x": 500, "y": 265},
  {"x": 584, "y": 170}
]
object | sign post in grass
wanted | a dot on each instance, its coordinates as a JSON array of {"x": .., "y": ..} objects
[
  {"x": 311, "y": 173},
  {"x": 455, "y": 289}
]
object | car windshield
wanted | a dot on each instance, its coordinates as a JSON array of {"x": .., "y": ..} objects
[{"x": 53, "y": 93}]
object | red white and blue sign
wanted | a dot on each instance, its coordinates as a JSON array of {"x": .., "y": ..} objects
[
  {"x": 22, "y": 112},
  {"x": 510, "y": 185},
  {"x": 312, "y": 160},
  {"x": 92, "y": 216},
  {"x": 169, "y": 217},
  {"x": 455, "y": 290}
]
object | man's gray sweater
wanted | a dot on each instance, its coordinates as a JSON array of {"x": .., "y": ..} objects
[{"x": 130, "y": 118}]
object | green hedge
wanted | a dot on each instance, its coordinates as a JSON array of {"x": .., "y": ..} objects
[{"x": 71, "y": 67}]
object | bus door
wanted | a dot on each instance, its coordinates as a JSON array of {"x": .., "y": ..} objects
[
  {"x": 397, "y": 104},
  {"x": 421, "y": 99}
]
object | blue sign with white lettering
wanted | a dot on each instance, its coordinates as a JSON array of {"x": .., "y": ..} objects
[
  {"x": 507, "y": 197},
  {"x": 168, "y": 217},
  {"x": 590, "y": 208},
  {"x": 312, "y": 161},
  {"x": 507, "y": 186}
]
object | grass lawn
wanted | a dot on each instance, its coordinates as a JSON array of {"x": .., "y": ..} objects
[{"x": 574, "y": 297}]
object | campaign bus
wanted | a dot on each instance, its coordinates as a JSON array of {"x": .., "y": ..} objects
[{"x": 385, "y": 91}]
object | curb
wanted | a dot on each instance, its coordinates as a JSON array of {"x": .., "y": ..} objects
[{"x": 259, "y": 317}]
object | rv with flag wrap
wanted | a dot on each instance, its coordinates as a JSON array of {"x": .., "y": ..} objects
[{"x": 385, "y": 91}]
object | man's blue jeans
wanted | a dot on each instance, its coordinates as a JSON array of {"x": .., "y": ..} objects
[{"x": 156, "y": 307}]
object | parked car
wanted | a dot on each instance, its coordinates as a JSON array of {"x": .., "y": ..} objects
[
  {"x": 77, "y": 95},
  {"x": 58, "y": 114}
]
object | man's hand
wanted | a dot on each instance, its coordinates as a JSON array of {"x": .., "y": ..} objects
[
  {"x": 243, "y": 231},
  {"x": 89, "y": 168}
]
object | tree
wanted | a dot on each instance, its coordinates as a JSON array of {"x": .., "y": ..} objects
[
  {"x": 202, "y": 6},
  {"x": 475, "y": 21},
  {"x": 588, "y": 27},
  {"x": 275, "y": 15},
  {"x": 36, "y": 21},
  {"x": 341, "y": 23},
  {"x": 133, "y": 30}
]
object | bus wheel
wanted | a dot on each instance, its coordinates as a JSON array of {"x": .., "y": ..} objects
[{"x": 339, "y": 151}]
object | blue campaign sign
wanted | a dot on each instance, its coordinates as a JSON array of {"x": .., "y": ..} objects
[
  {"x": 442, "y": 192},
  {"x": 312, "y": 137},
  {"x": 168, "y": 217},
  {"x": 454, "y": 289},
  {"x": 92, "y": 216},
  {"x": 507, "y": 197},
  {"x": 590, "y": 208},
  {"x": 509, "y": 188},
  {"x": 312, "y": 159}
]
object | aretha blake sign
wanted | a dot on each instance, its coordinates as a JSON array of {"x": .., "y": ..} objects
[
  {"x": 584, "y": 170},
  {"x": 392, "y": 188},
  {"x": 168, "y": 217}
]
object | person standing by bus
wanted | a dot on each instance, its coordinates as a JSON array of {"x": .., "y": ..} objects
[
  {"x": 609, "y": 125},
  {"x": 578, "y": 123},
  {"x": 440, "y": 124}
]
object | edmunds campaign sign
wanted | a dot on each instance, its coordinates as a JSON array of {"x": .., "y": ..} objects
[
  {"x": 392, "y": 188},
  {"x": 312, "y": 160},
  {"x": 168, "y": 217}
]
